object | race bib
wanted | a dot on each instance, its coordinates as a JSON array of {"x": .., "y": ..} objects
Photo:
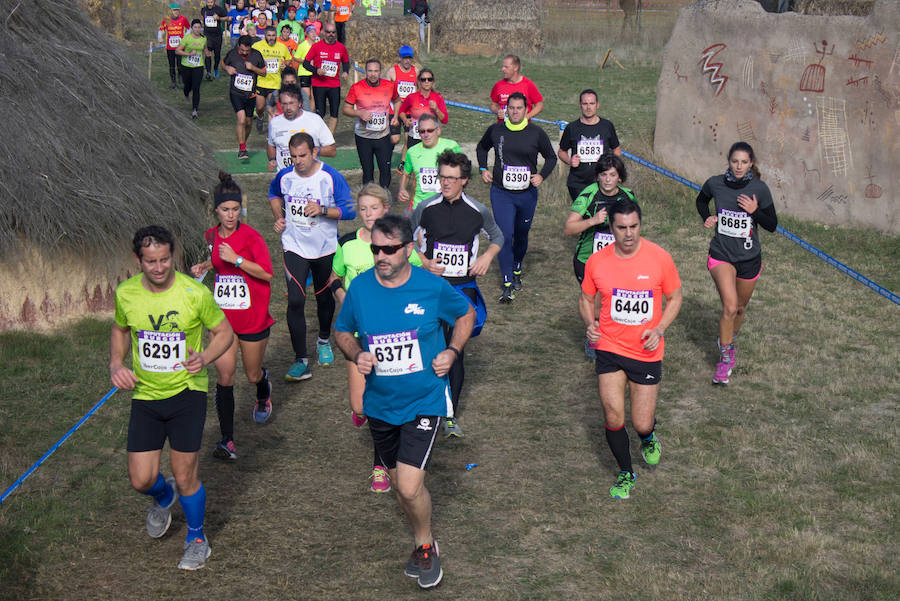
[
  {"x": 414, "y": 131},
  {"x": 161, "y": 352},
  {"x": 232, "y": 292},
  {"x": 377, "y": 122},
  {"x": 428, "y": 180},
  {"x": 343, "y": 10},
  {"x": 272, "y": 65},
  {"x": 590, "y": 151},
  {"x": 602, "y": 240},
  {"x": 454, "y": 258},
  {"x": 294, "y": 210},
  {"x": 194, "y": 60},
  {"x": 283, "y": 157},
  {"x": 236, "y": 28},
  {"x": 330, "y": 67},
  {"x": 631, "y": 307},
  {"x": 516, "y": 178},
  {"x": 295, "y": 37},
  {"x": 373, "y": 11},
  {"x": 736, "y": 224},
  {"x": 174, "y": 41},
  {"x": 397, "y": 354},
  {"x": 210, "y": 21},
  {"x": 244, "y": 83},
  {"x": 405, "y": 88}
]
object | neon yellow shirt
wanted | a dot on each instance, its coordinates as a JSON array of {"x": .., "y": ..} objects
[{"x": 273, "y": 56}]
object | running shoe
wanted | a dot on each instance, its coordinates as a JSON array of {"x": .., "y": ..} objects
[
  {"x": 622, "y": 488},
  {"x": 507, "y": 294},
  {"x": 723, "y": 370},
  {"x": 196, "y": 552},
  {"x": 651, "y": 450},
  {"x": 381, "y": 482},
  {"x": 259, "y": 125},
  {"x": 216, "y": 74},
  {"x": 160, "y": 518},
  {"x": 243, "y": 155},
  {"x": 208, "y": 76},
  {"x": 425, "y": 566},
  {"x": 517, "y": 280},
  {"x": 326, "y": 357},
  {"x": 588, "y": 350},
  {"x": 262, "y": 411},
  {"x": 358, "y": 420},
  {"x": 451, "y": 428},
  {"x": 400, "y": 167},
  {"x": 225, "y": 450},
  {"x": 194, "y": 115},
  {"x": 298, "y": 371},
  {"x": 173, "y": 85}
]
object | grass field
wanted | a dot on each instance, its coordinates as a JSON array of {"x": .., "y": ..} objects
[{"x": 784, "y": 485}]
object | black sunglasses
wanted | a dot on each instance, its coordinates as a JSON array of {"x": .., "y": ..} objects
[
  {"x": 388, "y": 249},
  {"x": 426, "y": 79}
]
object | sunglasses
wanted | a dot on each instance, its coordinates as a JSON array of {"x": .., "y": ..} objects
[
  {"x": 427, "y": 131},
  {"x": 426, "y": 79},
  {"x": 388, "y": 249}
]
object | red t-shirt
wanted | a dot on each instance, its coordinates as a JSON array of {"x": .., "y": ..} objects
[
  {"x": 502, "y": 89},
  {"x": 234, "y": 285},
  {"x": 404, "y": 83},
  {"x": 376, "y": 100},
  {"x": 175, "y": 30},
  {"x": 631, "y": 297},
  {"x": 416, "y": 105},
  {"x": 329, "y": 56}
]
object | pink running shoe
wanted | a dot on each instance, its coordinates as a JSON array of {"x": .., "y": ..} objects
[
  {"x": 381, "y": 482},
  {"x": 358, "y": 420},
  {"x": 723, "y": 370}
]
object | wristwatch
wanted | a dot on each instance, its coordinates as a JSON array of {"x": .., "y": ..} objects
[{"x": 238, "y": 261}]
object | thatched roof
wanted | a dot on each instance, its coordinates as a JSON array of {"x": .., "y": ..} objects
[
  {"x": 89, "y": 152},
  {"x": 486, "y": 26}
]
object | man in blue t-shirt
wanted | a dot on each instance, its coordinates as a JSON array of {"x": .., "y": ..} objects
[{"x": 397, "y": 311}]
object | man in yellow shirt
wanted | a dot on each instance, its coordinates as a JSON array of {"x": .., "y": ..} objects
[{"x": 276, "y": 56}]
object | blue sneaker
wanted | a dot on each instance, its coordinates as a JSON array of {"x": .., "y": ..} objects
[
  {"x": 262, "y": 411},
  {"x": 326, "y": 357},
  {"x": 298, "y": 371},
  {"x": 216, "y": 74}
]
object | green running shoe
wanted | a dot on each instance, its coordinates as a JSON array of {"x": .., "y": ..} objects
[
  {"x": 623, "y": 486},
  {"x": 651, "y": 450}
]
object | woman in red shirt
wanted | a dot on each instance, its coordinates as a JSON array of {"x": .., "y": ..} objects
[{"x": 423, "y": 100}]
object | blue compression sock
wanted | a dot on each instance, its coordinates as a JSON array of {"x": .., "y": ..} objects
[
  {"x": 194, "y": 508},
  {"x": 161, "y": 491}
]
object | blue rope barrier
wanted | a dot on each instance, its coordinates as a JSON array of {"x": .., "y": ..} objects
[{"x": 71, "y": 431}]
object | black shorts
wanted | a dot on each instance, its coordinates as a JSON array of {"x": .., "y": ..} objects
[
  {"x": 746, "y": 270},
  {"x": 264, "y": 92},
  {"x": 333, "y": 95},
  {"x": 647, "y": 373},
  {"x": 305, "y": 81},
  {"x": 179, "y": 418},
  {"x": 410, "y": 443},
  {"x": 242, "y": 102},
  {"x": 254, "y": 337},
  {"x": 410, "y": 141}
]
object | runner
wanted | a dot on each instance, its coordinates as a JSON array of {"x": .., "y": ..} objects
[
  {"x": 403, "y": 74},
  {"x": 192, "y": 50},
  {"x": 286, "y": 38},
  {"x": 373, "y": 7},
  {"x": 290, "y": 21},
  {"x": 305, "y": 74},
  {"x": 631, "y": 277},
  {"x": 174, "y": 28},
  {"x": 324, "y": 59},
  {"x": 262, "y": 8},
  {"x": 243, "y": 272},
  {"x": 419, "y": 9},
  {"x": 236, "y": 17},
  {"x": 370, "y": 101},
  {"x": 161, "y": 313},
  {"x": 213, "y": 16},
  {"x": 421, "y": 162},
  {"x": 743, "y": 201},
  {"x": 587, "y": 139},
  {"x": 307, "y": 200},
  {"x": 398, "y": 311},
  {"x": 294, "y": 120},
  {"x": 354, "y": 256},
  {"x": 514, "y": 195},
  {"x": 450, "y": 223},
  {"x": 244, "y": 64},
  {"x": 273, "y": 102},
  {"x": 342, "y": 9},
  {"x": 277, "y": 56},
  {"x": 514, "y": 81},
  {"x": 423, "y": 101}
]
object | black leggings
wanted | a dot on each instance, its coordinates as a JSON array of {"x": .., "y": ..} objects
[
  {"x": 215, "y": 45},
  {"x": 192, "y": 78},
  {"x": 457, "y": 371},
  {"x": 341, "y": 28},
  {"x": 173, "y": 60},
  {"x": 381, "y": 149},
  {"x": 296, "y": 270}
]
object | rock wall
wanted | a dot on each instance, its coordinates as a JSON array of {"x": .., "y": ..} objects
[{"x": 818, "y": 98}]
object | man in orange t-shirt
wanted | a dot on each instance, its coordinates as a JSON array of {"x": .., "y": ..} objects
[
  {"x": 342, "y": 11},
  {"x": 622, "y": 307}
]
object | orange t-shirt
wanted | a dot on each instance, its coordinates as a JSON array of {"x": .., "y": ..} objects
[
  {"x": 292, "y": 46},
  {"x": 341, "y": 9},
  {"x": 631, "y": 297}
]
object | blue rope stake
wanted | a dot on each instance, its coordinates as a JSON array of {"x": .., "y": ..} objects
[{"x": 38, "y": 463}]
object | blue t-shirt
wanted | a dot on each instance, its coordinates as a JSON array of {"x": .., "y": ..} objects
[
  {"x": 402, "y": 327},
  {"x": 237, "y": 16}
]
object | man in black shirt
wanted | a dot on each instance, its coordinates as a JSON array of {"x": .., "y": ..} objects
[
  {"x": 213, "y": 16},
  {"x": 243, "y": 63},
  {"x": 584, "y": 142}
]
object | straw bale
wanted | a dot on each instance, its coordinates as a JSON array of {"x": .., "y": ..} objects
[
  {"x": 380, "y": 37},
  {"x": 90, "y": 155},
  {"x": 486, "y": 27},
  {"x": 859, "y": 8}
]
